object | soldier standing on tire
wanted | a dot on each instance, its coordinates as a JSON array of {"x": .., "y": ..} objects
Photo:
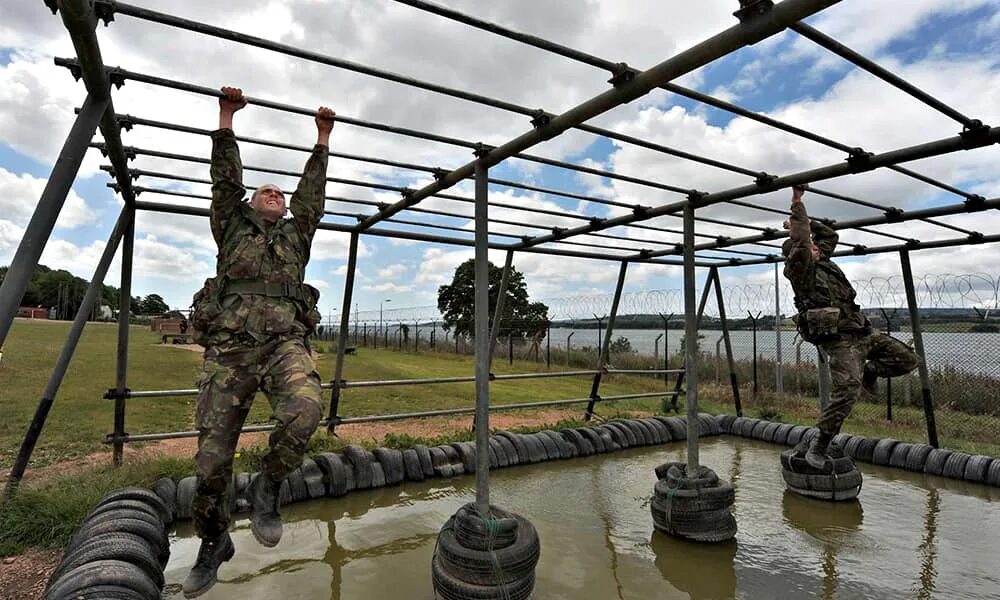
[
  {"x": 254, "y": 318},
  {"x": 829, "y": 318}
]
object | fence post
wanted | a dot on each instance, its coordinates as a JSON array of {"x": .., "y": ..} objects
[
  {"x": 656, "y": 349},
  {"x": 602, "y": 362},
  {"x": 753, "y": 320},
  {"x": 569, "y": 340},
  {"x": 918, "y": 345},
  {"x": 779, "y": 380},
  {"x": 888, "y": 380},
  {"x": 416, "y": 336},
  {"x": 124, "y": 310},
  {"x": 548, "y": 346},
  {"x": 345, "y": 315},
  {"x": 720, "y": 301}
]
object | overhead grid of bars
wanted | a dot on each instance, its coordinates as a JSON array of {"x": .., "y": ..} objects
[{"x": 758, "y": 19}]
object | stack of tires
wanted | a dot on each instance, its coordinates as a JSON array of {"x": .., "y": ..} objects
[
  {"x": 485, "y": 556},
  {"x": 119, "y": 552},
  {"x": 697, "y": 508},
  {"x": 839, "y": 481}
]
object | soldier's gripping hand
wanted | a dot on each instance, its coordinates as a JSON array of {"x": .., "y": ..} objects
[
  {"x": 324, "y": 125},
  {"x": 231, "y": 101},
  {"x": 797, "y": 192}
]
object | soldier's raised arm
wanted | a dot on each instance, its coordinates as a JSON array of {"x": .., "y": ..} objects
[
  {"x": 825, "y": 237},
  {"x": 799, "y": 258},
  {"x": 309, "y": 198},
  {"x": 226, "y": 167}
]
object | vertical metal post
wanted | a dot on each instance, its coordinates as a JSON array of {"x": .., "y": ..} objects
[
  {"x": 400, "y": 337},
  {"x": 690, "y": 342},
  {"x": 569, "y": 340},
  {"x": 49, "y": 205},
  {"x": 606, "y": 346},
  {"x": 510, "y": 349},
  {"x": 823, "y": 370},
  {"x": 124, "y": 308},
  {"x": 364, "y": 334},
  {"x": 656, "y": 348},
  {"x": 501, "y": 300},
  {"x": 416, "y": 336},
  {"x": 779, "y": 379},
  {"x": 548, "y": 346},
  {"x": 345, "y": 316},
  {"x": 918, "y": 345},
  {"x": 69, "y": 347},
  {"x": 600, "y": 343},
  {"x": 483, "y": 350},
  {"x": 720, "y": 300},
  {"x": 888, "y": 380}
]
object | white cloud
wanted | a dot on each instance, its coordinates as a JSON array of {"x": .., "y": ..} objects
[
  {"x": 19, "y": 195},
  {"x": 392, "y": 271},
  {"x": 389, "y": 287},
  {"x": 318, "y": 283}
]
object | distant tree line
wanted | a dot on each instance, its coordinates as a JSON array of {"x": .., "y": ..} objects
[{"x": 60, "y": 289}]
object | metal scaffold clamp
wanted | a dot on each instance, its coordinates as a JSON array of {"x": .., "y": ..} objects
[
  {"x": 105, "y": 10},
  {"x": 860, "y": 160},
  {"x": 755, "y": 16},
  {"x": 540, "y": 118},
  {"x": 481, "y": 150},
  {"x": 622, "y": 74},
  {"x": 114, "y": 394},
  {"x": 975, "y": 202}
]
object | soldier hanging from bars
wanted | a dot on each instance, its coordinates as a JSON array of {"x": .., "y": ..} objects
[
  {"x": 254, "y": 319},
  {"x": 829, "y": 318}
]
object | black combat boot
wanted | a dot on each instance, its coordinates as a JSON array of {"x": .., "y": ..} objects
[
  {"x": 869, "y": 378},
  {"x": 266, "y": 521},
  {"x": 817, "y": 456},
  {"x": 213, "y": 552}
]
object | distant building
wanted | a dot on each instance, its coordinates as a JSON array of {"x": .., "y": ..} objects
[{"x": 33, "y": 312}]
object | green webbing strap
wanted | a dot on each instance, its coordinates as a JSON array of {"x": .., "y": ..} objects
[{"x": 264, "y": 288}]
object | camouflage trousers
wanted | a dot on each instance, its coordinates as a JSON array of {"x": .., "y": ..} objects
[
  {"x": 847, "y": 357},
  {"x": 283, "y": 369}
]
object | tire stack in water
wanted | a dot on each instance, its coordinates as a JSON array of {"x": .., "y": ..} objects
[
  {"x": 119, "y": 551},
  {"x": 697, "y": 508},
  {"x": 484, "y": 557},
  {"x": 839, "y": 481}
]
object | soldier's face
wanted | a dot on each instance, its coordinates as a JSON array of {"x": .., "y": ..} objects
[
  {"x": 269, "y": 202},
  {"x": 815, "y": 252}
]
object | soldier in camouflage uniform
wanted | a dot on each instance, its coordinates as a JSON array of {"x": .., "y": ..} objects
[
  {"x": 829, "y": 317},
  {"x": 253, "y": 319}
]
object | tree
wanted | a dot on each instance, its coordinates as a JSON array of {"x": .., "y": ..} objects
[
  {"x": 153, "y": 304},
  {"x": 521, "y": 318}
]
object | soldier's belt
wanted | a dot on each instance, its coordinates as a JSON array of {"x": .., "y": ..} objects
[{"x": 265, "y": 288}]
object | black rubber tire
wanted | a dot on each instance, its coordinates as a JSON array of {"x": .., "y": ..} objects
[
  {"x": 993, "y": 473},
  {"x": 144, "y": 495},
  {"x": 795, "y": 434},
  {"x": 736, "y": 427},
  {"x": 917, "y": 457},
  {"x": 841, "y": 439},
  {"x": 827, "y": 496},
  {"x": 662, "y": 433},
  {"x": 677, "y": 427},
  {"x": 793, "y": 460},
  {"x": 510, "y": 449},
  {"x": 552, "y": 451},
  {"x": 954, "y": 467},
  {"x": 360, "y": 461},
  {"x": 936, "y": 461},
  {"x": 758, "y": 429},
  {"x": 185, "y": 494},
  {"x": 444, "y": 471},
  {"x": 851, "y": 448},
  {"x": 378, "y": 475},
  {"x": 575, "y": 437},
  {"x": 642, "y": 434},
  {"x": 975, "y": 469},
  {"x": 499, "y": 452},
  {"x": 478, "y": 566},
  {"x": 472, "y": 532},
  {"x": 866, "y": 449},
  {"x": 453, "y": 458},
  {"x": 411, "y": 465},
  {"x": 466, "y": 455},
  {"x": 726, "y": 423},
  {"x": 592, "y": 436},
  {"x": 334, "y": 473},
  {"x": 883, "y": 451},
  {"x": 823, "y": 483},
  {"x": 781, "y": 433},
  {"x": 295, "y": 486},
  {"x": 424, "y": 454},
  {"x": 652, "y": 431},
  {"x": 617, "y": 435},
  {"x": 769, "y": 430},
  {"x": 610, "y": 443},
  {"x": 438, "y": 457},
  {"x": 166, "y": 489},
  {"x": 708, "y": 498},
  {"x": 899, "y": 453},
  {"x": 103, "y": 572},
  {"x": 536, "y": 449},
  {"x": 520, "y": 447},
  {"x": 677, "y": 478},
  {"x": 106, "y": 592},
  {"x": 448, "y": 587},
  {"x": 708, "y": 527},
  {"x": 626, "y": 437},
  {"x": 494, "y": 461},
  {"x": 125, "y": 547},
  {"x": 392, "y": 464},
  {"x": 124, "y": 504},
  {"x": 709, "y": 425},
  {"x": 566, "y": 449},
  {"x": 312, "y": 476},
  {"x": 137, "y": 523}
]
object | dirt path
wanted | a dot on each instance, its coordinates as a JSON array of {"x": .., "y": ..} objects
[{"x": 24, "y": 577}]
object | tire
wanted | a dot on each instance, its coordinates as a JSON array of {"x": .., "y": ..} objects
[
  {"x": 795, "y": 434},
  {"x": 552, "y": 451},
  {"x": 709, "y": 425},
  {"x": 936, "y": 460},
  {"x": 883, "y": 451},
  {"x": 103, "y": 572},
  {"x": 610, "y": 443},
  {"x": 583, "y": 445},
  {"x": 411, "y": 465},
  {"x": 917, "y": 457},
  {"x": 954, "y": 467},
  {"x": 726, "y": 423},
  {"x": 736, "y": 427},
  {"x": 642, "y": 431},
  {"x": 334, "y": 473},
  {"x": 424, "y": 454},
  {"x": 617, "y": 435},
  {"x": 626, "y": 437},
  {"x": 361, "y": 463},
  {"x": 768, "y": 434},
  {"x": 295, "y": 483},
  {"x": 378, "y": 475},
  {"x": 866, "y": 449},
  {"x": 536, "y": 450},
  {"x": 709, "y": 498},
  {"x": 125, "y": 547},
  {"x": 444, "y": 471},
  {"x": 140, "y": 494},
  {"x": 106, "y": 592},
  {"x": 438, "y": 457},
  {"x": 520, "y": 447},
  {"x": 185, "y": 494},
  {"x": 494, "y": 462},
  {"x": 510, "y": 450},
  {"x": 312, "y": 476},
  {"x": 117, "y": 505},
  {"x": 166, "y": 489},
  {"x": 392, "y": 464},
  {"x": 594, "y": 438},
  {"x": 710, "y": 527},
  {"x": 677, "y": 427},
  {"x": 758, "y": 430},
  {"x": 851, "y": 448},
  {"x": 448, "y": 587},
  {"x": 677, "y": 478},
  {"x": 792, "y": 461},
  {"x": 154, "y": 535},
  {"x": 976, "y": 468},
  {"x": 451, "y": 454},
  {"x": 500, "y": 452},
  {"x": 662, "y": 433},
  {"x": 899, "y": 453},
  {"x": 841, "y": 439},
  {"x": 567, "y": 449},
  {"x": 466, "y": 455},
  {"x": 781, "y": 434},
  {"x": 478, "y": 566},
  {"x": 993, "y": 473},
  {"x": 472, "y": 531},
  {"x": 823, "y": 483},
  {"x": 827, "y": 496}
]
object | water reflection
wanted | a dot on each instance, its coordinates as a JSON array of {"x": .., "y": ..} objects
[
  {"x": 928, "y": 547},
  {"x": 830, "y": 523},
  {"x": 703, "y": 571}
]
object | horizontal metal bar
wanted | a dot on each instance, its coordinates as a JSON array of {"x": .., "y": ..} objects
[
  {"x": 882, "y": 73},
  {"x": 469, "y": 379},
  {"x": 149, "y": 437},
  {"x": 643, "y": 371},
  {"x": 866, "y": 250}
]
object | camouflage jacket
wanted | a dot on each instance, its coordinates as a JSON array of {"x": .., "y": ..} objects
[
  {"x": 253, "y": 253},
  {"x": 819, "y": 283}
]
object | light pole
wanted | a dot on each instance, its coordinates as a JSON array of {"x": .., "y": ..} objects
[{"x": 380, "y": 305}]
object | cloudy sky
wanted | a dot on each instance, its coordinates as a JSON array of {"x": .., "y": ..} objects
[{"x": 949, "y": 49}]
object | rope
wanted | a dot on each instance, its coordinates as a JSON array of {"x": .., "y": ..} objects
[{"x": 493, "y": 528}]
